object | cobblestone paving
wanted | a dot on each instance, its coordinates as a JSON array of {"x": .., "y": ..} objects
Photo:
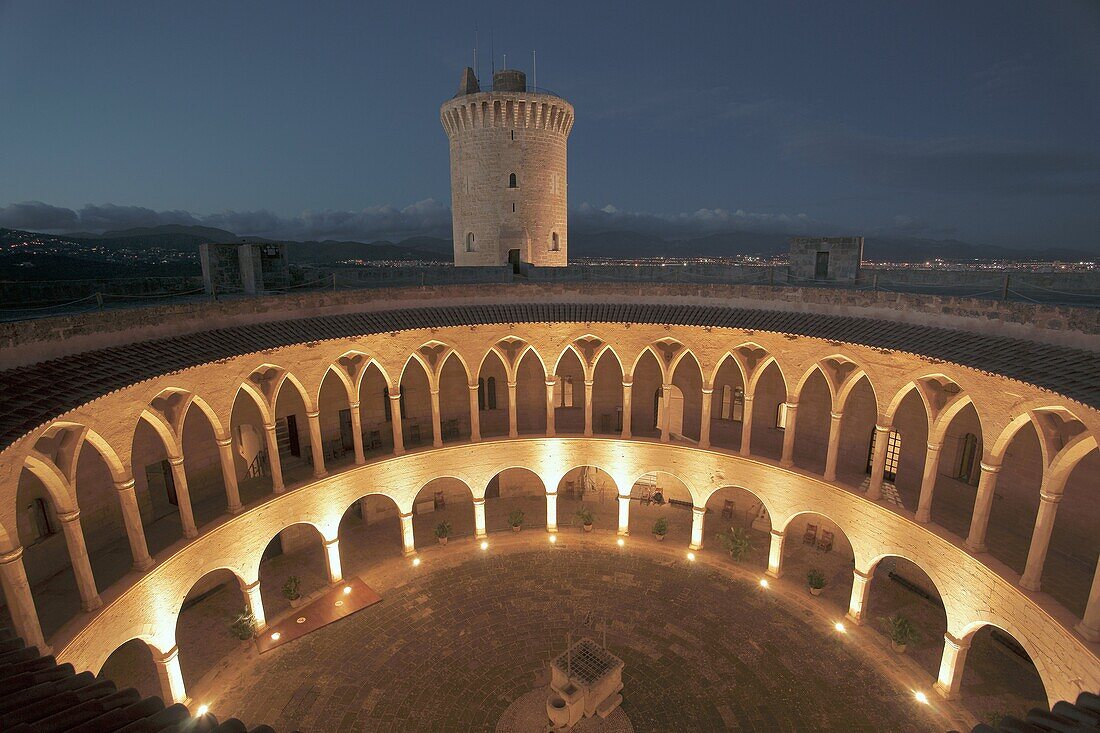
[{"x": 450, "y": 650}]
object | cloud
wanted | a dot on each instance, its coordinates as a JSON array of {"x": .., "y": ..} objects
[
  {"x": 688, "y": 224},
  {"x": 36, "y": 215}
]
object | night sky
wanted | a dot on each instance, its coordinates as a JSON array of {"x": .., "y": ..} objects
[{"x": 956, "y": 119}]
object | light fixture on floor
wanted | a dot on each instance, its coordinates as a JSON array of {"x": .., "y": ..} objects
[
  {"x": 485, "y": 545},
  {"x": 691, "y": 556},
  {"x": 620, "y": 542},
  {"x": 840, "y": 627},
  {"x": 203, "y": 710},
  {"x": 347, "y": 590},
  {"x": 276, "y": 636},
  {"x": 416, "y": 562},
  {"x": 763, "y": 582},
  {"x": 921, "y": 697},
  {"x": 553, "y": 538}
]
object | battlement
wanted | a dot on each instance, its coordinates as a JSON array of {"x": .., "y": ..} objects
[{"x": 507, "y": 109}]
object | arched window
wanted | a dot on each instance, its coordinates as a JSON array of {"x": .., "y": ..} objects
[
  {"x": 512, "y": 181},
  {"x": 657, "y": 407},
  {"x": 555, "y": 246},
  {"x": 968, "y": 457},
  {"x": 470, "y": 242},
  {"x": 491, "y": 386},
  {"x": 738, "y": 404},
  {"x": 781, "y": 416},
  {"x": 563, "y": 388},
  {"x": 893, "y": 455},
  {"x": 727, "y": 402}
]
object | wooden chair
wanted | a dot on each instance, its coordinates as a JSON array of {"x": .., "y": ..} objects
[
  {"x": 810, "y": 536},
  {"x": 727, "y": 509},
  {"x": 647, "y": 496},
  {"x": 825, "y": 544},
  {"x": 414, "y": 433},
  {"x": 440, "y": 501},
  {"x": 374, "y": 442}
]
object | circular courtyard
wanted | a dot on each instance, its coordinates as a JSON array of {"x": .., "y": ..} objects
[{"x": 454, "y": 642}]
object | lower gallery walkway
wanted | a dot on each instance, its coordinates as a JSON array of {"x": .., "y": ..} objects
[{"x": 458, "y": 638}]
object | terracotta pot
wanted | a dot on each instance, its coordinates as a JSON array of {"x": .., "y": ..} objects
[
  {"x": 442, "y": 540},
  {"x": 295, "y": 602},
  {"x": 516, "y": 527},
  {"x": 588, "y": 528},
  {"x": 815, "y": 591},
  {"x": 899, "y": 648},
  {"x": 660, "y": 537}
]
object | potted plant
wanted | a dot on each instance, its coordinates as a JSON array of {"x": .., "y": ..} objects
[
  {"x": 816, "y": 580},
  {"x": 660, "y": 529},
  {"x": 736, "y": 542},
  {"x": 587, "y": 517},
  {"x": 901, "y": 632},
  {"x": 290, "y": 591},
  {"x": 515, "y": 518},
  {"x": 442, "y": 532},
  {"x": 244, "y": 626}
]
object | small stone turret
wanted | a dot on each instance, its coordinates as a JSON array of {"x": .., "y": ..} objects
[{"x": 508, "y": 171}]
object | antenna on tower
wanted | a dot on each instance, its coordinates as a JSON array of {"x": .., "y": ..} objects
[
  {"x": 477, "y": 71},
  {"x": 492, "y": 54},
  {"x": 506, "y": 61},
  {"x": 534, "y": 72}
]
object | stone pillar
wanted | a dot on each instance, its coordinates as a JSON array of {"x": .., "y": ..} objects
[
  {"x": 135, "y": 532},
  {"x": 627, "y": 385},
  {"x": 878, "y": 462},
  {"x": 861, "y": 587},
  {"x": 1040, "y": 540},
  {"x": 255, "y": 604},
  {"x": 78, "y": 556},
  {"x": 437, "y": 421},
  {"x": 697, "y": 514},
  {"x": 17, "y": 593},
  {"x": 775, "y": 555},
  {"x": 952, "y": 663},
  {"x": 928, "y": 482},
  {"x": 624, "y": 514},
  {"x": 183, "y": 497},
  {"x": 316, "y": 447},
  {"x": 274, "y": 462},
  {"x": 479, "y": 519},
  {"x": 513, "y": 417},
  {"x": 588, "y": 385},
  {"x": 746, "y": 427},
  {"x": 395, "y": 423},
  {"x": 832, "y": 453},
  {"x": 408, "y": 541},
  {"x": 357, "y": 433},
  {"x": 172, "y": 689},
  {"x": 787, "y": 458},
  {"x": 1090, "y": 623},
  {"x": 475, "y": 415},
  {"x": 550, "y": 414},
  {"x": 983, "y": 503},
  {"x": 704, "y": 418},
  {"x": 332, "y": 561},
  {"x": 229, "y": 475},
  {"x": 666, "y": 412},
  {"x": 551, "y": 511}
]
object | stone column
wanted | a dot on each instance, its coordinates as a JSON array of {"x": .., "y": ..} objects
[
  {"x": 437, "y": 421},
  {"x": 666, "y": 416},
  {"x": 183, "y": 497},
  {"x": 550, "y": 408},
  {"x": 878, "y": 462},
  {"x": 746, "y": 427},
  {"x": 255, "y": 604},
  {"x": 395, "y": 423},
  {"x": 172, "y": 689},
  {"x": 408, "y": 541},
  {"x": 928, "y": 481},
  {"x": 787, "y": 458},
  {"x": 704, "y": 418},
  {"x": 627, "y": 385},
  {"x": 951, "y": 667},
  {"x": 357, "y": 433},
  {"x": 1040, "y": 540},
  {"x": 479, "y": 519},
  {"x": 332, "y": 561},
  {"x": 861, "y": 587},
  {"x": 78, "y": 556},
  {"x": 551, "y": 511},
  {"x": 1090, "y": 623},
  {"x": 135, "y": 532},
  {"x": 274, "y": 461},
  {"x": 983, "y": 503},
  {"x": 775, "y": 555},
  {"x": 316, "y": 447},
  {"x": 17, "y": 593},
  {"x": 832, "y": 453},
  {"x": 475, "y": 415},
  {"x": 229, "y": 475},
  {"x": 697, "y": 514},
  {"x": 513, "y": 417},
  {"x": 588, "y": 385},
  {"x": 624, "y": 514}
]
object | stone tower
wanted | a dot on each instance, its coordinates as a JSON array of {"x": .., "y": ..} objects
[{"x": 508, "y": 182}]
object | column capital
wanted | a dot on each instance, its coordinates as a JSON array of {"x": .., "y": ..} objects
[
  {"x": 708, "y": 390},
  {"x": 479, "y": 502},
  {"x": 883, "y": 428},
  {"x": 11, "y": 556},
  {"x": 512, "y": 385},
  {"x": 252, "y": 587},
  {"x": 394, "y": 397},
  {"x": 778, "y": 534},
  {"x": 552, "y": 493},
  {"x": 1048, "y": 497},
  {"x": 836, "y": 415},
  {"x": 175, "y": 460},
  {"x": 747, "y": 397},
  {"x": 551, "y": 382},
  {"x": 791, "y": 405},
  {"x": 269, "y": 427},
  {"x": 624, "y": 496},
  {"x": 123, "y": 486},
  {"x": 987, "y": 468},
  {"x": 933, "y": 447},
  {"x": 313, "y": 415},
  {"x": 589, "y": 382},
  {"x": 224, "y": 442},
  {"x": 628, "y": 383},
  {"x": 407, "y": 515},
  {"x": 333, "y": 541},
  {"x": 866, "y": 577},
  {"x": 433, "y": 391},
  {"x": 698, "y": 510},
  {"x": 955, "y": 643},
  {"x": 473, "y": 387},
  {"x": 68, "y": 517},
  {"x": 354, "y": 404},
  {"x": 165, "y": 657}
]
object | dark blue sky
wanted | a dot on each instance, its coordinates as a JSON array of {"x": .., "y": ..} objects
[{"x": 976, "y": 120}]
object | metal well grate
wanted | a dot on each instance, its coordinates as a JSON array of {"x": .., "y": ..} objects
[{"x": 586, "y": 662}]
